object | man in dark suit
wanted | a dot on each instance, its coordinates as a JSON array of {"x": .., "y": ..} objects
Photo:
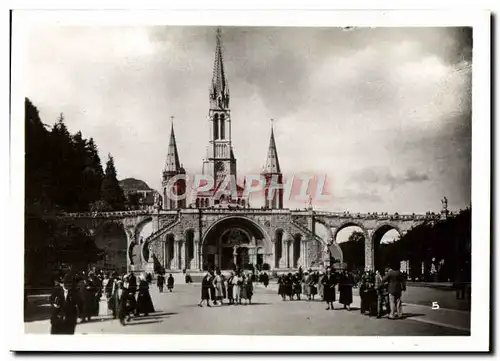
[
  {"x": 66, "y": 303},
  {"x": 396, "y": 284},
  {"x": 131, "y": 290},
  {"x": 329, "y": 281}
]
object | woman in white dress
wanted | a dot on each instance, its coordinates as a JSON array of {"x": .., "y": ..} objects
[
  {"x": 218, "y": 283},
  {"x": 237, "y": 283}
]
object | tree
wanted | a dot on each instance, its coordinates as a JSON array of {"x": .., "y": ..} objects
[
  {"x": 100, "y": 206},
  {"x": 37, "y": 167},
  {"x": 111, "y": 192},
  {"x": 448, "y": 239},
  {"x": 93, "y": 173},
  {"x": 356, "y": 236},
  {"x": 354, "y": 250},
  {"x": 133, "y": 200},
  {"x": 76, "y": 248}
]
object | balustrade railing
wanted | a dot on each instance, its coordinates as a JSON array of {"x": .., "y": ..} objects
[{"x": 380, "y": 216}]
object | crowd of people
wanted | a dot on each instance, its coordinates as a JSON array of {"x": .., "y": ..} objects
[
  {"x": 78, "y": 296},
  {"x": 237, "y": 288},
  {"x": 380, "y": 293}
]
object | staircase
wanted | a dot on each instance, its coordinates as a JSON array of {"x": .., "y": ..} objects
[
  {"x": 163, "y": 230},
  {"x": 308, "y": 233}
]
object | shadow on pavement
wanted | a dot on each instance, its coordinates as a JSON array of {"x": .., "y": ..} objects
[
  {"x": 153, "y": 316},
  {"x": 409, "y": 315},
  {"x": 133, "y": 323}
]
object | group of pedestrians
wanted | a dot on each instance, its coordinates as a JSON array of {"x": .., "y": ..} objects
[
  {"x": 236, "y": 288},
  {"x": 160, "y": 282},
  {"x": 380, "y": 293},
  {"x": 309, "y": 284},
  {"x": 78, "y": 296}
]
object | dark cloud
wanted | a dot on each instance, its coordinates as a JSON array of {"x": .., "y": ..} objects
[
  {"x": 383, "y": 176},
  {"x": 359, "y": 196}
]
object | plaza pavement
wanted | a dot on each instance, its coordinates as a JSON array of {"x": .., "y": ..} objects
[{"x": 178, "y": 313}]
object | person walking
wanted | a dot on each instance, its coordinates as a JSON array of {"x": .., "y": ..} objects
[
  {"x": 328, "y": 283},
  {"x": 65, "y": 303},
  {"x": 205, "y": 290},
  {"x": 160, "y": 281},
  {"x": 107, "y": 286},
  {"x": 170, "y": 282},
  {"x": 218, "y": 284},
  {"x": 265, "y": 279},
  {"x": 237, "y": 284},
  {"x": 319, "y": 281},
  {"x": 229, "y": 288},
  {"x": 297, "y": 286},
  {"x": 305, "y": 286},
  {"x": 281, "y": 287},
  {"x": 144, "y": 302},
  {"x": 345, "y": 290},
  {"x": 289, "y": 286},
  {"x": 396, "y": 285},
  {"x": 382, "y": 294},
  {"x": 119, "y": 301}
]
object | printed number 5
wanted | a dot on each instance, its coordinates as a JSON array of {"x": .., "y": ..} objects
[{"x": 435, "y": 306}]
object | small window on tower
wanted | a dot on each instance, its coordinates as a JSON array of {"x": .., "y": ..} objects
[
  {"x": 222, "y": 127},
  {"x": 216, "y": 126}
]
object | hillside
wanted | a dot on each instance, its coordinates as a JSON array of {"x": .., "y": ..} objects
[{"x": 132, "y": 184}]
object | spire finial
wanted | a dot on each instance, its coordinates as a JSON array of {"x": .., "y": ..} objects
[
  {"x": 272, "y": 123},
  {"x": 218, "y": 34},
  {"x": 172, "y": 120}
]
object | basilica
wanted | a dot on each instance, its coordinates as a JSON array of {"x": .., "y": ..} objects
[{"x": 210, "y": 230}]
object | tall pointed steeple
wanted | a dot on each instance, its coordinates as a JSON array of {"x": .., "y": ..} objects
[
  {"x": 273, "y": 189},
  {"x": 172, "y": 163},
  {"x": 272, "y": 162},
  {"x": 219, "y": 90},
  {"x": 172, "y": 169}
]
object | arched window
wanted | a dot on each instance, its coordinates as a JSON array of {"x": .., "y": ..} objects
[
  {"x": 222, "y": 127},
  {"x": 216, "y": 126},
  {"x": 197, "y": 202}
]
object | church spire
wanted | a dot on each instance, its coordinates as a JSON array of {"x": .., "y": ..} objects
[
  {"x": 272, "y": 162},
  {"x": 219, "y": 90},
  {"x": 172, "y": 163}
]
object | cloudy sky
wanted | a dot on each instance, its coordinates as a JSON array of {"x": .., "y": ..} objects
[{"x": 384, "y": 113}]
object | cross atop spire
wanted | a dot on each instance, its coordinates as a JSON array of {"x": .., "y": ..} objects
[
  {"x": 272, "y": 162},
  {"x": 172, "y": 163},
  {"x": 219, "y": 90}
]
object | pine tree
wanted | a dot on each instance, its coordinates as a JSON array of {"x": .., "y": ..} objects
[
  {"x": 111, "y": 192},
  {"x": 37, "y": 170},
  {"x": 93, "y": 173},
  {"x": 62, "y": 167}
]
